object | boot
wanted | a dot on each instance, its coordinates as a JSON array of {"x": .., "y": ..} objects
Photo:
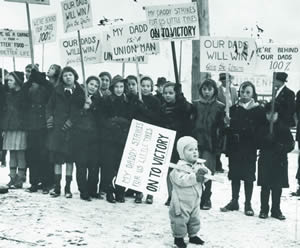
[
  {"x": 196, "y": 240},
  {"x": 56, "y": 191},
  {"x": 19, "y": 182},
  {"x": 206, "y": 202},
  {"x": 120, "y": 194},
  {"x": 68, "y": 193},
  {"x": 138, "y": 197},
  {"x": 149, "y": 199},
  {"x": 231, "y": 206},
  {"x": 248, "y": 209},
  {"x": 33, "y": 188},
  {"x": 110, "y": 195},
  {"x": 179, "y": 242}
]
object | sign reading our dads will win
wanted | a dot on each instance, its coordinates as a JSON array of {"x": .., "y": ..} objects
[
  {"x": 145, "y": 161},
  {"x": 222, "y": 54},
  {"x": 173, "y": 22}
]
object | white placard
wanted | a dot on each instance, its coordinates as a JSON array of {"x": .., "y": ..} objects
[
  {"x": 223, "y": 54},
  {"x": 45, "y": 2},
  {"x": 146, "y": 157},
  {"x": 173, "y": 22},
  {"x": 44, "y": 29},
  {"x": 14, "y": 43},
  {"x": 278, "y": 58},
  {"x": 91, "y": 49},
  {"x": 77, "y": 15},
  {"x": 132, "y": 40}
]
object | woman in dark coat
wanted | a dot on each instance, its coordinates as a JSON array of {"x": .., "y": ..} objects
[
  {"x": 245, "y": 117},
  {"x": 62, "y": 113},
  {"x": 273, "y": 162},
  {"x": 118, "y": 114}
]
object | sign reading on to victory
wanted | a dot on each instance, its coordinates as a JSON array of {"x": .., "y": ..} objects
[
  {"x": 236, "y": 55},
  {"x": 278, "y": 58},
  {"x": 46, "y": 2},
  {"x": 70, "y": 52},
  {"x": 146, "y": 157},
  {"x": 14, "y": 43},
  {"x": 77, "y": 14},
  {"x": 132, "y": 40},
  {"x": 44, "y": 29},
  {"x": 173, "y": 22}
]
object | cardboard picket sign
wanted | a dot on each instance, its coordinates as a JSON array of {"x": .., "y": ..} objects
[
  {"x": 146, "y": 157},
  {"x": 131, "y": 40},
  {"x": 14, "y": 43},
  {"x": 224, "y": 54},
  {"x": 77, "y": 15},
  {"x": 278, "y": 57},
  {"x": 45, "y": 2},
  {"x": 91, "y": 49},
  {"x": 44, "y": 29},
  {"x": 173, "y": 22},
  {"x": 106, "y": 52}
]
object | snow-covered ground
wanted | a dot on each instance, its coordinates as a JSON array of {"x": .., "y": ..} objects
[{"x": 37, "y": 220}]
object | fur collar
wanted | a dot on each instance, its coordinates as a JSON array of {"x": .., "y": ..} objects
[{"x": 249, "y": 105}]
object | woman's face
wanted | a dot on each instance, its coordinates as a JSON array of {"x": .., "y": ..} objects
[
  {"x": 207, "y": 92},
  {"x": 119, "y": 88},
  {"x": 132, "y": 86},
  {"x": 246, "y": 94},
  {"x": 169, "y": 94},
  {"x": 104, "y": 82},
  {"x": 11, "y": 82},
  {"x": 146, "y": 87},
  {"x": 68, "y": 78},
  {"x": 92, "y": 86},
  {"x": 51, "y": 71}
]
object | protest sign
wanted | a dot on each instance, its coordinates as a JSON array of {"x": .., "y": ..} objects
[
  {"x": 132, "y": 40},
  {"x": 46, "y": 2},
  {"x": 77, "y": 15},
  {"x": 14, "y": 43},
  {"x": 44, "y": 29},
  {"x": 146, "y": 157},
  {"x": 236, "y": 55},
  {"x": 283, "y": 58},
  {"x": 106, "y": 52},
  {"x": 70, "y": 52},
  {"x": 173, "y": 22}
]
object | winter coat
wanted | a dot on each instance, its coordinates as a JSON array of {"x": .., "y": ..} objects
[
  {"x": 286, "y": 103},
  {"x": 298, "y": 115},
  {"x": 273, "y": 161},
  {"x": 64, "y": 108},
  {"x": 209, "y": 123},
  {"x": 241, "y": 140}
]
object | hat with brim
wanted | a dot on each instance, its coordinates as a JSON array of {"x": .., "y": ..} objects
[
  {"x": 116, "y": 79},
  {"x": 281, "y": 76},
  {"x": 222, "y": 76},
  {"x": 161, "y": 81}
]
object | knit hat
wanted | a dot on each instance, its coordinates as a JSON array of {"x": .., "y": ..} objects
[
  {"x": 19, "y": 77},
  {"x": 116, "y": 79},
  {"x": 183, "y": 142},
  {"x": 281, "y": 76},
  {"x": 105, "y": 73}
]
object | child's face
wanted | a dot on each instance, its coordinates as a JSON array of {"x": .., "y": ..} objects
[
  {"x": 104, "y": 82},
  {"x": 246, "y": 94},
  {"x": 146, "y": 87},
  {"x": 191, "y": 153},
  {"x": 11, "y": 82},
  {"x": 119, "y": 88},
  {"x": 169, "y": 94},
  {"x": 69, "y": 78},
  {"x": 207, "y": 92},
  {"x": 269, "y": 116},
  {"x": 92, "y": 87},
  {"x": 132, "y": 86},
  {"x": 51, "y": 71}
]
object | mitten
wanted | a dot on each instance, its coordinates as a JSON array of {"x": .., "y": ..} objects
[
  {"x": 50, "y": 122},
  {"x": 67, "y": 125}
]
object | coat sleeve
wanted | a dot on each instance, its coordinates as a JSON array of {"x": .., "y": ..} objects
[{"x": 183, "y": 179}]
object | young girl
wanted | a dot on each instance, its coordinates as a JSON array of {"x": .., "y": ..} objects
[
  {"x": 209, "y": 122},
  {"x": 105, "y": 78},
  {"x": 13, "y": 126},
  {"x": 273, "y": 162},
  {"x": 187, "y": 179},
  {"x": 53, "y": 74},
  {"x": 86, "y": 143},
  {"x": 62, "y": 113},
  {"x": 118, "y": 115},
  {"x": 175, "y": 115},
  {"x": 245, "y": 118}
]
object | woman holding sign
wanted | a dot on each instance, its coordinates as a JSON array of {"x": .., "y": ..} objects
[{"x": 245, "y": 117}]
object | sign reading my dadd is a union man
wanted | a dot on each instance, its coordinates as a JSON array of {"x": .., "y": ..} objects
[
  {"x": 46, "y": 2},
  {"x": 173, "y": 22},
  {"x": 145, "y": 161}
]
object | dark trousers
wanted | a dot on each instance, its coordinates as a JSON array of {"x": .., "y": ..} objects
[
  {"x": 248, "y": 188},
  {"x": 87, "y": 178},
  {"x": 264, "y": 199},
  {"x": 298, "y": 171},
  {"x": 37, "y": 158}
]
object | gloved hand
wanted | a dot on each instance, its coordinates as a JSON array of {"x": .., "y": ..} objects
[
  {"x": 68, "y": 124},
  {"x": 200, "y": 174},
  {"x": 50, "y": 122}
]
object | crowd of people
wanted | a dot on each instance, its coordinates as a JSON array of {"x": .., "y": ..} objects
[{"x": 50, "y": 119}]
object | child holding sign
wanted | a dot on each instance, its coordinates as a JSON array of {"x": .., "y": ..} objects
[{"x": 187, "y": 179}]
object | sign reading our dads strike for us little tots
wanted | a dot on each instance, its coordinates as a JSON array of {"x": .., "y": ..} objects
[
  {"x": 44, "y": 29},
  {"x": 236, "y": 55},
  {"x": 132, "y": 40},
  {"x": 173, "y": 22},
  {"x": 278, "y": 57},
  {"x": 146, "y": 157},
  {"x": 77, "y": 15}
]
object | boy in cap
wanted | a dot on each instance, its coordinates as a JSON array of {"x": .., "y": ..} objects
[{"x": 187, "y": 179}]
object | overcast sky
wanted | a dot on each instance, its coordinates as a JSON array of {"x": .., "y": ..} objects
[{"x": 278, "y": 18}]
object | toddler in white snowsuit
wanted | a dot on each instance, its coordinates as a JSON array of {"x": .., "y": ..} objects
[{"x": 187, "y": 179}]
